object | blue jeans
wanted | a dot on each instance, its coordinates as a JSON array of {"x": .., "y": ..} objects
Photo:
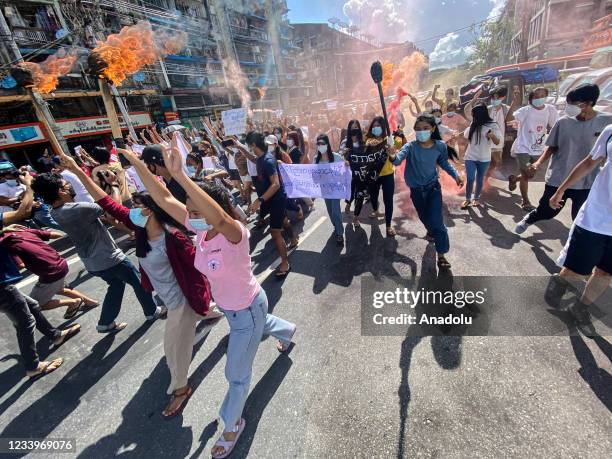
[
  {"x": 116, "y": 277},
  {"x": 427, "y": 201},
  {"x": 335, "y": 215},
  {"x": 475, "y": 169},
  {"x": 247, "y": 326}
]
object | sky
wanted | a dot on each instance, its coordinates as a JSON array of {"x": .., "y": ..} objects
[{"x": 431, "y": 24}]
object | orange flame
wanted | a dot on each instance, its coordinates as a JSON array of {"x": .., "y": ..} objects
[
  {"x": 46, "y": 74},
  {"x": 133, "y": 48}
]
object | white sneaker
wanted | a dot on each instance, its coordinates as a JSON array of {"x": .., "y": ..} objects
[{"x": 522, "y": 225}]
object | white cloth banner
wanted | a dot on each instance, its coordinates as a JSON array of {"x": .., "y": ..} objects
[
  {"x": 234, "y": 121},
  {"x": 328, "y": 181}
]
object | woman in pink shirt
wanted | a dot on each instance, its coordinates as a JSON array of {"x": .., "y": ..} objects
[{"x": 222, "y": 255}]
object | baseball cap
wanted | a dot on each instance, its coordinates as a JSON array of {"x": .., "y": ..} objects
[{"x": 271, "y": 140}]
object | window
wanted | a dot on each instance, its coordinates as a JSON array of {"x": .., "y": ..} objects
[{"x": 313, "y": 42}]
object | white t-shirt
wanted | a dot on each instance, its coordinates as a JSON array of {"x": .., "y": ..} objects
[
  {"x": 596, "y": 213},
  {"x": 533, "y": 127},
  {"x": 498, "y": 114},
  {"x": 10, "y": 192},
  {"x": 81, "y": 192},
  {"x": 481, "y": 151}
]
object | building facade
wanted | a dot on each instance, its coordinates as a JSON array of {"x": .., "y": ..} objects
[
  {"x": 182, "y": 86},
  {"x": 543, "y": 29}
]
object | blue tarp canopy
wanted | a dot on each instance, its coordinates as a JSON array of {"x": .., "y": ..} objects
[{"x": 544, "y": 74}]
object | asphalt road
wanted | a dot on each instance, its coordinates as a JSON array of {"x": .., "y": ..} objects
[{"x": 338, "y": 393}]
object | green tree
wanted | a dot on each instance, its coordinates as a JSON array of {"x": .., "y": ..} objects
[{"x": 491, "y": 40}]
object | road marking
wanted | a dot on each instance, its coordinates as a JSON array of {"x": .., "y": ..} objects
[
  {"x": 72, "y": 260},
  {"x": 264, "y": 275}
]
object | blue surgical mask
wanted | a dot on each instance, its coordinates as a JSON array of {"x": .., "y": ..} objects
[
  {"x": 11, "y": 182},
  {"x": 199, "y": 224},
  {"x": 377, "y": 131},
  {"x": 191, "y": 170},
  {"x": 496, "y": 102},
  {"x": 438, "y": 120},
  {"x": 137, "y": 218},
  {"x": 450, "y": 114},
  {"x": 423, "y": 136},
  {"x": 538, "y": 102}
]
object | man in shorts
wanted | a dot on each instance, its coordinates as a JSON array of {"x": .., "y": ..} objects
[
  {"x": 534, "y": 122},
  {"x": 588, "y": 251},
  {"x": 271, "y": 197}
]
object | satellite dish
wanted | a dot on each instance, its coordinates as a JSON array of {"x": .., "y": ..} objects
[{"x": 8, "y": 82}]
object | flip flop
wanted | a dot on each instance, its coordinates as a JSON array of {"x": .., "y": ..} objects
[
  {"x": 71, "y": 312},
  {"x": 70, "y": 332},
  {"x": 46, "y": 369},
  {"x": 465, "y": 204},
  {"x": 117, "y": 328},
  {"x": 181, "y": 407},
  {"x": 282, "y": 274},
  {"x": 443, "y": 263},
  {"x": 293, "y": 245},
  {"x": 228, "y": 446}
]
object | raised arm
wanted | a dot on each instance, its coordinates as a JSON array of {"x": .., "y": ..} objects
[
  {"x": 434, "y": 96},
  {"x": 208, "y": 207},
  {"x": 25, "y": 208},
  {"x": 158, "y": 192},
  {"x": 92, "y": 187},
  {"x": 416, "y": 106}
]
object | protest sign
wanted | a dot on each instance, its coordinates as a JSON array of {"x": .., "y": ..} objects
[
  {"x": 329, "y": 180},
  {"x": 234, "y": 121}
]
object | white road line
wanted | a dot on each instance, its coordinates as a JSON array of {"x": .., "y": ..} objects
[
  {"x": 264, "y": 275},
  {"x": 72, "y": 260}
]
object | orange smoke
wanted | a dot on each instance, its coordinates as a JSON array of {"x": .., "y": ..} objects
[
  {"x": 134, "y": 47},
  {"x": 46, "y": 74},
  {"x": 408, "y": 73}
]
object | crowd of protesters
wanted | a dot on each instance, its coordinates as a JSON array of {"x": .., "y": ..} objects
[{"x": 186, "y": 197}]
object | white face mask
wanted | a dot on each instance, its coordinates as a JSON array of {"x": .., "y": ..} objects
[
  {"x": 356, "y": 144},
  {"x": 322, "y": 148},
  {"x": 572, "y": 110},
  {"x": 271, "y": 148},
  {"x": 290, "y": 143}
]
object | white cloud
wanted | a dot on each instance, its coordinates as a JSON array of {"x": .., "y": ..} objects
[
  {"x": 498, "y": 6},
  {"x": 385, "y": 19},
  {"x": 449, "y": 52}
]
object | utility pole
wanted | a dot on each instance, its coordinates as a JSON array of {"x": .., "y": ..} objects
[{"x": 41, "y": 108}]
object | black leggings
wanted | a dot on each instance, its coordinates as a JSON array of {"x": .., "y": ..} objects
[
  {"x": 545, "y": 212},
  {"x": 387, "y": 182}
]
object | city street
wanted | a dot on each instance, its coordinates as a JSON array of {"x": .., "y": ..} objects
[{"x": 336, "y": 393}]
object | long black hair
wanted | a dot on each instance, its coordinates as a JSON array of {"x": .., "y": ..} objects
[
  {"x": 330, "y": 153},
  {"x": 142, "y": 241},
  {"x": 220, "y": 195},
  {"x": 480, "y": 118}
]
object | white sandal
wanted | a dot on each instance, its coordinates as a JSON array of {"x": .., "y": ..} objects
[
  {"x": 228, "y": 446},
  {"x": 283, "y": 346}
]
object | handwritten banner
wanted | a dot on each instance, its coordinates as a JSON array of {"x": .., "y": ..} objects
[
  {"x": 234, "y": 121},
  {"x": 329, "y": 181}
]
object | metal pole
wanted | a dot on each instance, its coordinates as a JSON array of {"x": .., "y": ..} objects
[{"x": 123, "y": 109}]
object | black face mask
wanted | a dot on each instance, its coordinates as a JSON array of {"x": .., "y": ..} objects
[{"x": 355, "y": 132}]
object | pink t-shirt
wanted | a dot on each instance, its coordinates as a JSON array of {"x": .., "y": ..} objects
[
  {"x": 228, "y": 268},
  {"x": 455, "y": 122}
]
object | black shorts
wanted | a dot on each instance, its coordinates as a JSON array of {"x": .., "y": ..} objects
[
  {"x": 233, "y": 174},
  {"x": 588, "y": 250},
  {"x": 277, "y": 210}
]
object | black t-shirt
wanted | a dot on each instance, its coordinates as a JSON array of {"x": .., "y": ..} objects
[
  {"x": 296, "y": 155},
  {"x": 267, "y": 167},
  {"x": 177, "y": 191}
]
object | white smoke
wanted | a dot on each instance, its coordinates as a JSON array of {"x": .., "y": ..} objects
[
  {"x": 385, "y": 19},
  {"x": 498, "y": 7}
]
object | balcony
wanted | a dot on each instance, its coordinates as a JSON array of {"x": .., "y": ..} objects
[{"x": 27, "y": 35}]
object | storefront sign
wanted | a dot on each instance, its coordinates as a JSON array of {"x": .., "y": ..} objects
[
  {"x": 12, "y": 136},
  {"x": 171, "y": 116},
  {"x": 600, "y": 34},
  {"x": 78, "y": 127}
]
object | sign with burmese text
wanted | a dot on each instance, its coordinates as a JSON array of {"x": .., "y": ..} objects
[
  {"x": 471, "y": 305},
  {"x": 328, "y": 181}
]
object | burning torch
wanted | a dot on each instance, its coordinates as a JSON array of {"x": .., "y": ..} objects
[{"x": 376, "y": 71}]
